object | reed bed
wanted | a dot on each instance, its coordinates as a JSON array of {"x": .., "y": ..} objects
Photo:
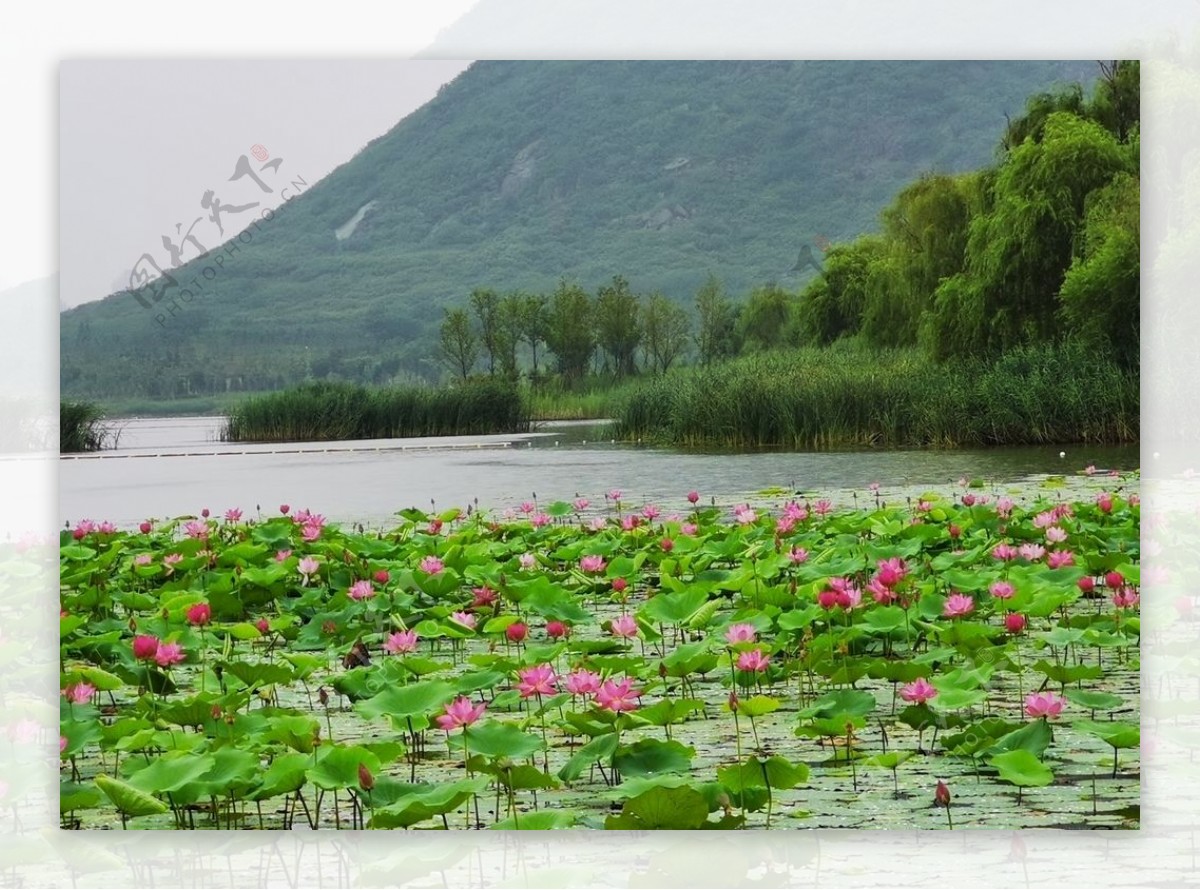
[
  {"x": 342, "y": 411},
  {"x": 851, "y": 396}
]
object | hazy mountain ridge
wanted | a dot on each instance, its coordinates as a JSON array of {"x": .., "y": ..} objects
[{"x": 521, "y": 172}]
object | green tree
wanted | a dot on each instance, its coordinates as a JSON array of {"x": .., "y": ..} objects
[
  {"x": 1101, "y": 293},
  {"x": 1019, "y": 251},
  {"x": 510, "y": 317},
  {"x": 460, "y": 347},
  {"x": 766, "y": 318},
  {"x": 618, "y": 331},
  {"x": 486, "y": 304},
  {"x": 717, "y": 335},
  {"x": 534, "y": 323},
  {"x": 833, "y": 303},
  {"x": 569, "y": 331},
  {"x": 1117, "y": 100},
  {"x": 665, "y": 329}
]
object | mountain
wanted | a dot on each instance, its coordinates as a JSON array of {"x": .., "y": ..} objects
[{"x": 519, "y": 173}]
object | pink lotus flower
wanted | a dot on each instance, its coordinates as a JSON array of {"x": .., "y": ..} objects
[
  {"x": 1045, "y": 519},
  {"x": 1105, "y": 502},
  {"x": 1114, "y": 579},
  {"x": 106, "y": 528},
  {"x": 582, "y": 682},
  {"x": 143, "y": 559},
  {"x": 79, "y": 693},
  {"x": 1032, "y": 552},
  {"x": 592, "y": 564},
  {"x": 1043, "y": 704},
  {"x": 204, "y": 513},
  {"x": 1055, "y": 535},
  {"x": 83, "y": 529},
  {"x": 434, "y": 527},
  {"x": 651, "y": 512},
  {"x": 794, "y": 511},
  {"x": 741, "y": 633},
  {"x": 196, "y": 529},
  {"x": 1086, "y": 584},
  {"x": 382, "y": 577},
  {"x": 968, "y": 500},
  {"x": 460, "y": 713},
  {"x": 619, "y": 585},
  {"x": 1004, "y": 552},
  {"x": 483, "y": 596},
  {"x": 823, "y": 507},
  {"x": 618, "y": 697},
  {"x": 538, "y": 680},
  {"x": 744, "y": 514},
  {"x": 361, "y": 590},
  {"x": 754, "y": 660},
  {"x": 614, "y": 495},
  {"x": 145, "y": 647},
  {"x": 401, "y": 642},
  {"x": 62, "y": 744},
  {"x": 581, "y": 504},
  {"x": 233, "y": 514},
  {"x": 516, "y": 632},
  {"x": 171, "y": 560},
  {"x": 1004, "y": 507},
  {"x": 1125, "y": 598},
  {"x": 431, "y": 565},
  {"x": 145, "y": 526},
  {"x": 527, "y": 560},
  {"x": 310, "y": 531},
  {"x": 528, "y": 507},
  {"x": 891, "y": 571},
  {"x": 1014, "y": 622},
  {"x": 598, "y": 523},
  {"x": 466, "y": 619},
  {"x": 264, "y": 626},
  {"x": 1060, "y": 558},
  {"x": 199, "y": 614},
  {"x": 1002, "y": 590},
  {"x": 282, "y": 555},
  {"x": 667, "y": 545},
  {"x": 688, "y": 528},
  {"x": 557, "y": 630},
  {"x": 307, "y": 567},
  {"x": 957, "y": 605},
  {"x": 827, "y": 599},
  {"x": 693, "y": 497},
  {"x": 797, "y": 555},
  {"x": 540, "y": 520},
  {"x": 784, "y": 525},
  {"x": 918, "y": 692},
  {"x": 624, "y": 627},
  {"x": 881, "y": 593},
  {"x": 874, "y": 487},
  {"x": 630, "y": 522},
  {"x": 284, "y": 509},
  {"x": 168, "y": 654}
]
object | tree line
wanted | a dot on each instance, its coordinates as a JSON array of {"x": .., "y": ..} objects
[{"x": 1039, "y": 247}]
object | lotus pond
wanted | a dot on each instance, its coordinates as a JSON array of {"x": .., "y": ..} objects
[{"x": 964, "y": 658}]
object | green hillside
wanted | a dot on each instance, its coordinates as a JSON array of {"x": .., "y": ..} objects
[{"x": 520, "y": 173}]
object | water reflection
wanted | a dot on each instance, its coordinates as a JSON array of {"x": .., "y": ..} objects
[{"x": 559, "y": 462}]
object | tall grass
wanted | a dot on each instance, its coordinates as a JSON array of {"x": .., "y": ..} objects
[
  {"x": 850, "y": 396},
  {"x": 601, "y": 401},
  {"x": 80, "y": 428},
  {"x": 329, "y": 411}
]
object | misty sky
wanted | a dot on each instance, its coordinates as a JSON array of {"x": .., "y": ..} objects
[{"x": 142, "y": 141}]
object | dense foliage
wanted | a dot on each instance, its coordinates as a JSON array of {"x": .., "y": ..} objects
[
  {"x": 522, "y": 173},
  {"x": 794, "y": 664}
]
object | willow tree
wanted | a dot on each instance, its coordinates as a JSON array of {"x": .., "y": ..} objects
[{"x": 569, "y": 332}]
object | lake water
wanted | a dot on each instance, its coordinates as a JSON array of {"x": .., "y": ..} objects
[{"x": 166, "y": 467}]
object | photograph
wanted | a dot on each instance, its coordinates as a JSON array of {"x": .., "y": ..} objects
[{"x": 599, "y": 445}]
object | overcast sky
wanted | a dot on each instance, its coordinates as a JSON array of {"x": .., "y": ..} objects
[{"x": 141, "y": 142}]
